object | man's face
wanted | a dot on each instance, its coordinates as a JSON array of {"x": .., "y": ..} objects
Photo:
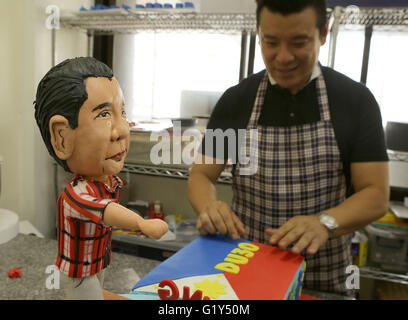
[
  {"x": 290, "y": 46},
  {"x": 101, "y": 140}
]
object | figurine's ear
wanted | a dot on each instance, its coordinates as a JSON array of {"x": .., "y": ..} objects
[{"x": 62, "y": 137}]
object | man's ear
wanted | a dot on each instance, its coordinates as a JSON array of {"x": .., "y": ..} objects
[
  {"x": 324, "y": 33},
  {"x": 62, "y": 137}
]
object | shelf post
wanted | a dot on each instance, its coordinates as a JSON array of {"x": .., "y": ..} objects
[
  {"x": 90, "y": 48},
  {"x": 242, "y": 66},
  {"x": 53, "y": 47},
  {"x": 334, "y": 31},
  {"x": 366, "y": 55},
  {"x": 251, "y": 58}
]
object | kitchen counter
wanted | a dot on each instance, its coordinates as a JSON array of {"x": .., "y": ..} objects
[{"x": 35, "y": 254}]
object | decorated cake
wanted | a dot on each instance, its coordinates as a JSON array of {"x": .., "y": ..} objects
[{"x": 219, "y": 268}]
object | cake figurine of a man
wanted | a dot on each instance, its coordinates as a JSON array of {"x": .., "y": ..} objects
[{"x": 80, "y": 112}]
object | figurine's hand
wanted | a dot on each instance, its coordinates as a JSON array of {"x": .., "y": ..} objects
[{"x": 154, "y": 228}]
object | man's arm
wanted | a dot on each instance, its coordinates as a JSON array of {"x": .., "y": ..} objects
[
  {"x": 213, "y": 215},
  {"x": 369, "y": 203}
]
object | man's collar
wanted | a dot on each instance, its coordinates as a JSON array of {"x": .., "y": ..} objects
[{"x": 315, "y": 74}]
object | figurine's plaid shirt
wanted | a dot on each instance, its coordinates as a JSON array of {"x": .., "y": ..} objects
[
  {"x": 299, "y": 172},
  {"x": 84, "y": 242}
]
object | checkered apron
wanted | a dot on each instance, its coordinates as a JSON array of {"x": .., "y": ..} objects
[{"x": 299, "y": 172}]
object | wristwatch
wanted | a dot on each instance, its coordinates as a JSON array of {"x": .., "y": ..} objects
[{"x": 329, "y": 222}]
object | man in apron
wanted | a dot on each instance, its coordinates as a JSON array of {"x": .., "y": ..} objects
[{"x": 321, "y": 163}]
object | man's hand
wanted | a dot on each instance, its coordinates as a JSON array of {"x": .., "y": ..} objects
[
  {"x": 218, "y": 217},
  {"x": 306, "y": 231}
]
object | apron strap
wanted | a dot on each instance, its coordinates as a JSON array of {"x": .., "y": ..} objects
[
  {"x": 322, "y": 98},
  {"x": 259, "y": 102}
]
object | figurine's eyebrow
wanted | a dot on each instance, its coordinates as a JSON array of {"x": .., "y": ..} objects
[{"x": 102, "y": 105}]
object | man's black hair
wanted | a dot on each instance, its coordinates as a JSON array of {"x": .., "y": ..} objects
[
  {"x": 62, "y": 91},
  {"x": 286, "y": 7}
]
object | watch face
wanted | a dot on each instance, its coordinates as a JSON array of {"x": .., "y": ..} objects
[{"x": 328, "y": 221}]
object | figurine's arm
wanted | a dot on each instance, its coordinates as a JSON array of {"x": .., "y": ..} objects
[{"x": 121, "y": 217}]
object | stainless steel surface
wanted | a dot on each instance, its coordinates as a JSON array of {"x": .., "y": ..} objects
[{"x": 378, "y": 274}]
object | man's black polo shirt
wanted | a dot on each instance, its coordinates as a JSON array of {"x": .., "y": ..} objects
[{"x": 355, "y": 114}]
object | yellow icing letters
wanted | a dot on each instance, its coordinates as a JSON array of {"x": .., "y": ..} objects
[
  {"x": 227, "y": 267},
  {"x": 233, "y": 258},
  {"x": 248, "y": 246},
  {"x": 243, "y": 252}
]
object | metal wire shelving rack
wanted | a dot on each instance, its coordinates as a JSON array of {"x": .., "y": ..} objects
[
  {"x": 353, "y": 15},
  {"x": 179, "y": 172},
  {"x": 378, "y": 274},
  {"x": 128, "y": 23},
  {"x": 122, "y": 21}
]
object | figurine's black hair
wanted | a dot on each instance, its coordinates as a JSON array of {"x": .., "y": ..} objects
[
  {"x": 286, "y": 7},
  {"x": 62, "y": 91}
]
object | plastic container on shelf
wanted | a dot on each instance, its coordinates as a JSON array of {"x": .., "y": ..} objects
[
  {"x": 186, "y": 230},
  {"x": 193, "y": 4},
  {"x": 155, "y": 210},
  {"x": 189, "y": 5},
  {"x": 359, "y": 248},
  {"x": 388, "y": 248}
]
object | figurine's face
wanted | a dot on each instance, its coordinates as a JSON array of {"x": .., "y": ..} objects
[{"x": 101, "y": 140}]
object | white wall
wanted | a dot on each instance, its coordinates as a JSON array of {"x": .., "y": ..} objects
[
  {"x": 228, "y": 6},
  {"x": 11, "y": 55},
  {"x": 27, "y": 180}
]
